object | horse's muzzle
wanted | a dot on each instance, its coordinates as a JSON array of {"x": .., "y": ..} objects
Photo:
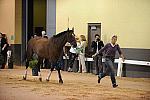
[{"x": 74, "y": 44}]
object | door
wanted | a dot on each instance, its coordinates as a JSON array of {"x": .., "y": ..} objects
[{"x": 93, "y": 28}]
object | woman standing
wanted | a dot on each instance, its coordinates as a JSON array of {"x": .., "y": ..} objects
[
  {"x": 3, "y": 51},
  {"x": 81, "y": 48}
]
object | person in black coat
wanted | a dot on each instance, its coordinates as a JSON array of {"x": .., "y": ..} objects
[
  {"x": 3, "y": 51},
  {"x": 96, "y": 46}
]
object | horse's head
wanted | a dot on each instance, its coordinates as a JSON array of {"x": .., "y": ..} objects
[{"x": 71, "y": 37}]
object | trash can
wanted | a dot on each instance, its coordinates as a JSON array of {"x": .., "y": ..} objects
[
  {"x": 10, "y": 59},
  {"x": 34, "y": 71},
  {"x": 33, "y": 66}
]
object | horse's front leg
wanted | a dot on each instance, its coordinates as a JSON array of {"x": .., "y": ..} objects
[
  {"x": 60, "y": 78},
  {"x": 25, "y": 75},
  {"x": 49, "y": 74},
  {"x": 40, "y": 76}
]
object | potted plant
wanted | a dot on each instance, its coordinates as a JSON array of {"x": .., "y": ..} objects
[{"x": 33, "y": 66}]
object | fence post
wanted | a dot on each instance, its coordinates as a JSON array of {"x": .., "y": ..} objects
[{"x": 120, "y": 65}]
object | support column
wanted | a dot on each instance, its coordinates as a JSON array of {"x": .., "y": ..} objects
[{"x": 51, "y": 18}]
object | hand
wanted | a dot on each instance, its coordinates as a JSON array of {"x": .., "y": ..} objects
[
  {"x": 94, "y": 55},
  {"x": 65, "y": 55},
  {"x": 123, "y": 59},
  {"x": 3, "y": 49}
]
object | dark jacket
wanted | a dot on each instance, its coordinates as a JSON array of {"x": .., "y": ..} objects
[
  {"x": 3, "y": 42},
  {"x": 94, "y": 45}
]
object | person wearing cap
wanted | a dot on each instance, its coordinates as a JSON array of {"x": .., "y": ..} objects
[
  {"x": 44, "y": 35},
  {"x": 45, "y": 63},
  {"x": 73, "y": 54},
  {"x": 109, "y": 53}
]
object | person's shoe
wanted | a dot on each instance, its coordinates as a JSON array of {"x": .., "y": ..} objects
[
  {"x": 115, "y": 85},
  {"x": 70, "y": 69},
  {"x": 79, "y": 71},
  {"x": 84, "y": 71},
  {"x": 99, "y": 79}
]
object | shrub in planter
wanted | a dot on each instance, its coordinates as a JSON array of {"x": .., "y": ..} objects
[{"x": 32, "y": 65}]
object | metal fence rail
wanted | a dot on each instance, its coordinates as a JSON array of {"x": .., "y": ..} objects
[{"x": 120, "y": 63}]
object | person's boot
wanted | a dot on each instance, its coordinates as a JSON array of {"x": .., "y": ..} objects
[
  {"x": 70, "y": 69},
  {"x": 113, "y": 79},
  {"x": 115, "y": 85},
  {"x": 99, "y": 77}
]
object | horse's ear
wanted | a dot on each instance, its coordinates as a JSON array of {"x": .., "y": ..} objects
[
  {"x": 73, "y": 29},
  {"x": 68, "y": 29}
]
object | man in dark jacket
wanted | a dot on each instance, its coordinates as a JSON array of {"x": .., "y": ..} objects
[
  {"x": 96, "y": 46},
  {"x": 3, "y": 51},
  {"x": 109, "y": 54}
]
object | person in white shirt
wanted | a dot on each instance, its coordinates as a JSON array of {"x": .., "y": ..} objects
[
  {"x": 81, "y": 48},
  {"x": 72, "y": 56}
]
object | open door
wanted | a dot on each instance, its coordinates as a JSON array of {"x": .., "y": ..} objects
[{"x": 93, "y": 28}]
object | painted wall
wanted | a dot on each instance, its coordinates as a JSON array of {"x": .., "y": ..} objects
[
  {"x": 18, "y": 22},
  {"x": 7, "y": 18},
  {"x": 11, "y": 20},
  {"x": 129, "y": 19}
]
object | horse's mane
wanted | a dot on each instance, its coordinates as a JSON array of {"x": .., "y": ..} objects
[
  {"x": 59, "y": 37},
  {"x": 60, "y": 34}
]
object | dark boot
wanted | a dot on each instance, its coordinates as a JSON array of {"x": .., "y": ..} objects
[
  {"x": 113, "y": 80},
  {"x": 99, "y": 79},
  {"x": 115, "y": 85},
  {"x": 100, "y": 76}
]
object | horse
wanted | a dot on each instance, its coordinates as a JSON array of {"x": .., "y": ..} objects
[{"x": 50, "y": 49}]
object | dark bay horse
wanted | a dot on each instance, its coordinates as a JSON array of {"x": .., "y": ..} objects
[{"x": 51, "y": 49}]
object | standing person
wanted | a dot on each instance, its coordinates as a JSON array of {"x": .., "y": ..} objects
[
  {"x": 44, "y": 35},
  {"x": 96, "y": 46},
  {"x": 81, "y": 48},
  {"x": 45, "y": 63},
  {"x": 3, "y": 50},
  {"x": 110, "y": 51},
  {"x": 72, "y": 56}
]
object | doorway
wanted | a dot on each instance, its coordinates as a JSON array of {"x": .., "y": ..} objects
[{"x": 93, "y": 28}]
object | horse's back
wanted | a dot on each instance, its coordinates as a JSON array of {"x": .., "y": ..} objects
[{"x": 41, "y": 47}]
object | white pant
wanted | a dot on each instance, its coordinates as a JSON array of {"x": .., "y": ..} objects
[{"x": 82, "y": 63}]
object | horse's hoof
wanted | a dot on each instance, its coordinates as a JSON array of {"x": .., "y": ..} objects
[
  {"x": 40, "y": 79},
  {"x": 24, "y": 78},
  {"x": 61, "y": 81},
  {"x": 47, "y": 80}
]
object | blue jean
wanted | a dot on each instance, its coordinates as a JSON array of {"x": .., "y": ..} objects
[{"x": 109, "y": 64}]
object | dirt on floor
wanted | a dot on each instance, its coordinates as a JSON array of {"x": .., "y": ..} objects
[{"x": 77, "y": 86}]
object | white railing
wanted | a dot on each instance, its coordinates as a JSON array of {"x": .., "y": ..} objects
[
  {"x": 132, "y": 62},
  {"x": 120, "y": 63}
]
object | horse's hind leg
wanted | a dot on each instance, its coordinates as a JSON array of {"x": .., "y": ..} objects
[
  {"x": 60, "y": 78},
  {"x": 49, "y": 74},
  {"x": 38, "y": 66},
  {"x": 27, "y": 65}
]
